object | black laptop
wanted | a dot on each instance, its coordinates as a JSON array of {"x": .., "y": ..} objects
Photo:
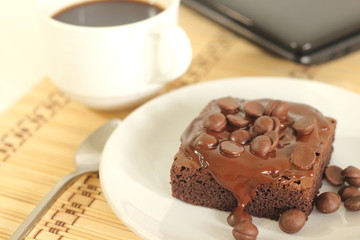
[{"x": 304, "y": 31}]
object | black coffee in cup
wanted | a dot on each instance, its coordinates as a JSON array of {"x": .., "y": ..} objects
[{"x": 104, "y": 13}]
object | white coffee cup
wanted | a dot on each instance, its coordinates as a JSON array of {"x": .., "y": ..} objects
[{"x": 115, "y": 66}]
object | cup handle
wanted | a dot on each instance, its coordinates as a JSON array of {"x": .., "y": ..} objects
[{"x": 173, "y": 52}]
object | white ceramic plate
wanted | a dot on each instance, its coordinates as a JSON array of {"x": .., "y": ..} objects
[{"x": 137, "y": 159}]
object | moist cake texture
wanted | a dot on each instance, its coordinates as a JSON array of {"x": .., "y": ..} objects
[{"x": 259, "y": 157}]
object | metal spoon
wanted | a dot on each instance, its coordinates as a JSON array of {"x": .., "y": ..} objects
[{"x": 87, "y": 159}]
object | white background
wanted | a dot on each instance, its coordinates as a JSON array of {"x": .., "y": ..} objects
[{"x": 22, "y": 58}]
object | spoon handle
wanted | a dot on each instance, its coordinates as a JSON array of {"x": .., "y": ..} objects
[{"x": 44, "y": 205}]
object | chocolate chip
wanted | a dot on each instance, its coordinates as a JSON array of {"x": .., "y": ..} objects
[
  {"x": 206, "y": 141},
  {"x": 352, "y": 176},
  {"x": 292, "y": 221},
  {"x": 254, "y": 109},
  {"x": 277, "y": 108},
  {"x": 263, "y": 125},
  {"x": 231, "y": 149},
  {"x": 238, "y": 120},
  {"x": 237, "y": 216},
  {"x": 270, "y": 107},
  {"x": 261, "y": 145},
  {"x": 303, "y": 157},
  {"x": 240, "y": 136},
  {"x": 351, "y": 171},
  {"x": 304, "y": 125},
  {"x": 228, "y": 104},
  {"x": 353, "y": 203},
  {"x": 353, "y": 181},
  {"x": 328, "y": 202},
  {"x": 245, "y": 230},
  {"x": 277, "y": 124},
  {"x": 333, "y": 175},
  {"x": 348, "y": 191},
  {"x": 215, "y": 122},
  {"x": 274, "y": 137},
  {"x": 281, "y": 110}
]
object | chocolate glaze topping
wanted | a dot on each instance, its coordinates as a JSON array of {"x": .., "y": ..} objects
[{"x": 247, "y": 143}]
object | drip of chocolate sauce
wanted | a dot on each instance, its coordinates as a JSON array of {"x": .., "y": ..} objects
[{"x": 273, "y": 148}]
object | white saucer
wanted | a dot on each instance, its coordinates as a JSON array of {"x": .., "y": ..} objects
[
  {"x": 110, "y": 103},
  {"x": 135, "y": 169}
]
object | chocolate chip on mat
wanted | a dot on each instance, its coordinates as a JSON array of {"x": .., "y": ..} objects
[
  {"x": 328, "y": 202},
  {"x": 348, "y": 191},
  {"x": 215, "y": 122},
  {"x": 254, "y": 109},
  {"x": 333, "y": 174},
  {"x": 292, "y": 221},
  {"x": 303, "y": 157},
  {"x": 352, "y": 176},
  {"x": 353, "y": 203},
  {"x": 245, "y": 230}
]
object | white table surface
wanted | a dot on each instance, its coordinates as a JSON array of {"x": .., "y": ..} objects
[{"x": 22, "y": 55}]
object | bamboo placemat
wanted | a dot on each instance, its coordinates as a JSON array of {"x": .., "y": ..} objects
[{"x": 39, "y": 134}]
